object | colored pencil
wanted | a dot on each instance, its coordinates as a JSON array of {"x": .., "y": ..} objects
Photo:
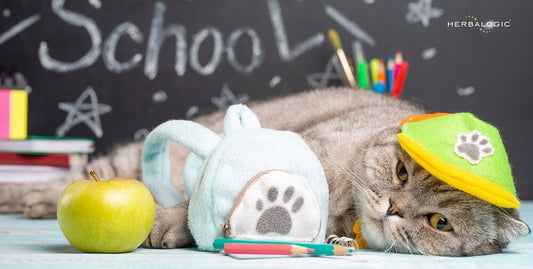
[
  {"x": 343, "y": 60},
  {"x": 390, "y": 73},
  {"x": 319, "y": 249},
  {"x": 362, "y": 66},
  {"x": 267, "y": 249},
  {"x": 374, "y": 70},
  {"x": 398, "y": 59},
  {"x": 400, "y": 80},
  {"x": 380, "y": 85}
]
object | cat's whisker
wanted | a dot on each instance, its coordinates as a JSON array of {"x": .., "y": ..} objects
[{"x": 391, "y": 247}]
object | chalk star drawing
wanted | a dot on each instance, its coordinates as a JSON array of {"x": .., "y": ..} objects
[
  {"x": 422, "y": 11},
  {"x": 228, "y": 98},
  {"x": 88, "y": 113}
]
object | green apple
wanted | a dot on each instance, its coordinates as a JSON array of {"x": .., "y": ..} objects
[{"x": 107, "y": 216}]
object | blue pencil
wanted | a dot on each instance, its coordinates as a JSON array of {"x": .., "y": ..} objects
[{"x": 390, "y": 73}]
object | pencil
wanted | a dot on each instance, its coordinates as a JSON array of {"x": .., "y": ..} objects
[
  {"x": 267, "y": 249},
  {"x": 362, "y": 66},
  {"x": 379, "y": 85},
  {"x": 398, "y": 59},
  {"x": 374, "y": 70},
  {"x": 390, "y": 73},
  {"x": 400, "y": 80},
  {"x": 320, "y": 249},
  {"x": 343, "y": 60}
]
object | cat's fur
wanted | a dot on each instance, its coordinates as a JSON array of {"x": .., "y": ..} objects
[{"x": 354, "y": 135}]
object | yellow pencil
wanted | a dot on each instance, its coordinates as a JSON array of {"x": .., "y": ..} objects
[{"x": 343, "y": 60}]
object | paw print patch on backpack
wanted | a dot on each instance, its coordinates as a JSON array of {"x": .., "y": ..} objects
[
  {"x": 246, "y": 183},
  {"x": 275, "y": 204}
]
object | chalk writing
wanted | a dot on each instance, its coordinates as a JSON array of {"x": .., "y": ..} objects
[
  {"x": 285, "y": 52},
  {"x": 197, "y": 41},
  {"x": 19, "y": 27},
  {"x": 422, "y": 11},
  {"x": 350, "y": 26},
  {"x": 110, "y": 47},
  {"x": 80, "y": 111},
  {"x": 257, "y": 50},
  {"x": 77, "y": 20},
  {"x": 158, "y": 34}
]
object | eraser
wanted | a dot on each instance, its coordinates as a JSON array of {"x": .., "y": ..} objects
[{"x": 13, "y": 114}]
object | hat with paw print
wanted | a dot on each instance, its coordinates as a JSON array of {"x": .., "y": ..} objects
[{"x": 463, "y": 151}]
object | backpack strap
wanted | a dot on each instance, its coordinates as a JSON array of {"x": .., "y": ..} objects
[{"x": 155, "y": 159}]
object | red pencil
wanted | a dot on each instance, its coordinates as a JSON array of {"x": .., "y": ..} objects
[
  {"x": 269, "y": 249},
  {"x": 400, "y": 80}
]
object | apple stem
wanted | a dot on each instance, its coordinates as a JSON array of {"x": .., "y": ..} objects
[{"x": 93, "y": 174}]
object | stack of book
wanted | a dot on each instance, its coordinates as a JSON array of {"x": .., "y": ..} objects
[{"x": 42, "y": 158}]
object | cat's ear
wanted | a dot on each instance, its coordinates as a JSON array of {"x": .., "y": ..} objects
[{"x": 512, "y": 228}]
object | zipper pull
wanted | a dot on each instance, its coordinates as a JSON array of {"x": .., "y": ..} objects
[{"x": 224, "y": 230}]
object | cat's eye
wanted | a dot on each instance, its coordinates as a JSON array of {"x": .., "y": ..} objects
[
  {"x": 401, "y": 172},
  {"x": 439, "y": 222}
]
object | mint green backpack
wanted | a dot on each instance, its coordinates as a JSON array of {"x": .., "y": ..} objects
[{"x": 247, "y": 183}]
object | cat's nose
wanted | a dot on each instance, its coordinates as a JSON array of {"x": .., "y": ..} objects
[{"x": 394, "y": 210}]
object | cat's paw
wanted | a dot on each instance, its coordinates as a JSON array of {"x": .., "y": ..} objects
[
  {"x": 473, "y": 146},
  {"x": 41, "y": 200},
  {"x": 277, "y": 217},
  {"x": 40, "y": 203},
  {"x": 170, "y": 229},
  {"x": 11, "y": 198}
]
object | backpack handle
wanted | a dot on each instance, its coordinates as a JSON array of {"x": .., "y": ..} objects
[{"x": 155, "y": 159}]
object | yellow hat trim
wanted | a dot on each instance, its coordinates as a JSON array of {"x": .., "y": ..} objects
[{"x": 457, "y": 177}]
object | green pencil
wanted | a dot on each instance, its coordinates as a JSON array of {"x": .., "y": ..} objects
[
  {"x": 320, "y": 249},
  {"x": 362, "y": 66}
]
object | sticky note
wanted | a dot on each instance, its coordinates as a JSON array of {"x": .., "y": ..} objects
[{"x": 13, "y": 114}]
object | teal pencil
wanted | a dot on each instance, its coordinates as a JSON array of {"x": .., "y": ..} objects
[{"x": 320, "y": 249}]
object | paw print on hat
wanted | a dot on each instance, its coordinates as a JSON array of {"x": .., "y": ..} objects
[{"x": 473, "y": 146}]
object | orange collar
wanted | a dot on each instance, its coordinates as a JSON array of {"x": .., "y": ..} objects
[{"x": 358, "y": 238}]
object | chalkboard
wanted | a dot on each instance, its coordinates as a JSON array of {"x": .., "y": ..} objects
[{"x": 112, "y": 70}]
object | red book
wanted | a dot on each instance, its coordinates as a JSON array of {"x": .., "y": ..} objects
[{"x": 57, "y": 160}]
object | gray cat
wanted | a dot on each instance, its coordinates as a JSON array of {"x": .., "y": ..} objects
[{"x": 370, "y": 177}]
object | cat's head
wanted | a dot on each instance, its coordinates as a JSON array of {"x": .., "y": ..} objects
[{"x": 403, "y": 208}]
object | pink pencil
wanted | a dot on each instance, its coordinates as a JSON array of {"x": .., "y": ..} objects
[
  {"x": 398, "y": 59},
  {"x": 400, "y": 80},
  {"x": 270, "y": 249}
]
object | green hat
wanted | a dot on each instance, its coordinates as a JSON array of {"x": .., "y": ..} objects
[{"x": 463, "y": 151}]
